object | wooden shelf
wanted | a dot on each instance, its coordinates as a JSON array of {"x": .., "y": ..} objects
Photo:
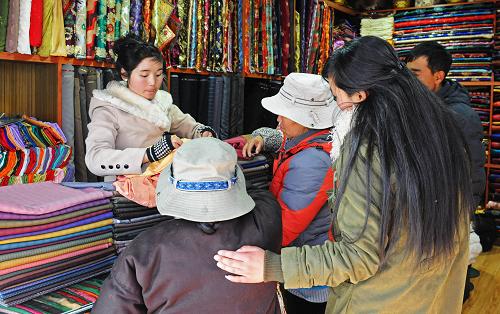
[
  {"x": 340, "y": 7},
  {"x": 53, "y": 60},
  {"x": 428, "y": 7},
  {"x": 247, "y": 75},
  {"x": 484, "y": 83},
  {"x": 492, "y": 166}
]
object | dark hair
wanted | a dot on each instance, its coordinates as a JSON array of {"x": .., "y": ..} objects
[
  {"x": 131, "y": 50},
  {"x": 424, "y": 162},
  {"x": 438, "y": 58}
]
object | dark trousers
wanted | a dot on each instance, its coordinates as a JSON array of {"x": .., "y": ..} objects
[{"x": 296, "y": 305}]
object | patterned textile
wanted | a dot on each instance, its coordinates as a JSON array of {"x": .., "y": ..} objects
[
  {"x": 135, "y": 23},
  {"x": 124, "y": 17},
  {"x": 69, "y": 13},
  {"x": 80, "y": 29},
  {"x": 92, "y": 14},
  {"x": 110, "y": 29},
  {"x": 100, "y": 43}
]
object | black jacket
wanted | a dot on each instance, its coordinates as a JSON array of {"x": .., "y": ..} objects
[
  {"x": 457, "y": 98},
  {"x": 170, "y": 267}
]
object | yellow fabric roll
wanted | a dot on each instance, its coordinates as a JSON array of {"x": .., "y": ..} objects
[
  {"x": 297, "y": 41},
  {"x": 39, "y": 257},
  {"x": 48, "y": 8},
  {"x": 98, "y": 224},
  {"x": 58, "y": 40}
]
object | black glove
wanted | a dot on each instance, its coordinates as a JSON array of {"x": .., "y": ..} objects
[
  {"x": 161, "y": 148},
  {"x": 207, "y": 128}
]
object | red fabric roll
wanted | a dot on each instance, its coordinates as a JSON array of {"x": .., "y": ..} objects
[{"x": 36, "y": 23}]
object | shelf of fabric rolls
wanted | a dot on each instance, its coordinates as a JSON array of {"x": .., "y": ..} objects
[
  {"x": 426, "y": 7},
  {"x": 341, "y": 7},
  {"x": 53, "y": 60}
]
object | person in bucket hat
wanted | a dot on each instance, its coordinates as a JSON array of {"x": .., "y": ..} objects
[
  {"x": 168, "y": 268},
  {"x": 302, "y": 172}
]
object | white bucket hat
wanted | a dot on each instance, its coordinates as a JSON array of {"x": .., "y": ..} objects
[
  {"x": 304, "y": 98},
  {"x": 204, "y": 183}
]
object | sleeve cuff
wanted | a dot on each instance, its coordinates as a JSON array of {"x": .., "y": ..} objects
[{"x": 272, "y": 267}]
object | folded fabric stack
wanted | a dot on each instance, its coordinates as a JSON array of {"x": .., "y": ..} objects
[
  {"x": 52, "y": 236},
  {"x": 380, "y": 27},
  {"x": 130, "y": 219},
  {"x": 33, "y": 151},
  {"x": 257, "y": 171},
  {"x": 76, "y": 298},
  {"x": 495, "y": 129},
  {"x": 466, "y": 31},
  {"x": 496, "y": 51},
  {"x": 480, "y": 101}
]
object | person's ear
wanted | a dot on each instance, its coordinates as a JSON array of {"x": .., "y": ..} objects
[
  {"x": 360, "y": 96},
  {"x": 439, "y": 77},
  {"x": 124, "y": 74}
]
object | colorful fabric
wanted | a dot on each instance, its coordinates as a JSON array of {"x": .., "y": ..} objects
[
  {"x": 81, "y": 29},
  {"x": 135, "y": 17},
  {"x": 124, "y": 17},
  {"x": 92, "y": 14},
  {"x": 111, "y": 19},
  {"x": 69, "y": 14},
  {"x": 100, "y": 43},
  {"x": 58, "y": 42}
]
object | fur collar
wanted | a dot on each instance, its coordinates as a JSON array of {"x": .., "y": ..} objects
[
  {"x": 339, "y": 131},
  {"x": 155, "y": 111}
]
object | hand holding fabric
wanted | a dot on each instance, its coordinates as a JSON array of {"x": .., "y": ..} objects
[
  {"x": 246, "y": 263},
  {"x": 164, "y": 146}
]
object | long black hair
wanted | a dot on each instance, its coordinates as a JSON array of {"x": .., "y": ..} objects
[
  {"x": 424, "y": 161},
  {"x": 130, "y": 50}
]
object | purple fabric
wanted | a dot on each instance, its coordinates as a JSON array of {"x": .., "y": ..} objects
[
  {"x": 45, "y": 197},
  {"x": 9, "y": 216},
  {"x": 71, "y": 225}
]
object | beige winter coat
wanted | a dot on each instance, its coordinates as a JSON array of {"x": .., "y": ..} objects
[{"x": 123, "y": 124}]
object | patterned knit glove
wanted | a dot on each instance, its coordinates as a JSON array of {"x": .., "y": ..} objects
[
  {"x": 203, "y": 128},
  {"x": 161, "y": 148}
]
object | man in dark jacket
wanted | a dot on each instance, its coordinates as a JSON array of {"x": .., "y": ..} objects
[
  {"x": 169, "y": 268},
  {"x": 431, "y": 62}
]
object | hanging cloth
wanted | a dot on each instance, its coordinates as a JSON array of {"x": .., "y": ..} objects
[
  {"x": 135, "y": 17},
  {"x": 100, "y": 42},
  {"x": 4, "y": 17},
  {"x": 92, "y": 13},
  {"x": 58, "y": 41},
  {"x": 23, "y": 41},
  {"x": 124, "y": 18},
  {"x": 110, "y": 29},
  {"x": 146, "y": 24},
  {"x": 69, "y": 14},
  {"x": 80, "y": 29},
  {"x": 118, "y": 20},
  {"x": 13, "y": 26}
]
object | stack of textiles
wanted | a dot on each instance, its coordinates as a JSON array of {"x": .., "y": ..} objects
[
  {"x": 496, "y": 51},
  {"x": 466, "y": 31},
  {"x": 218, "y": 101},
  {"x": 380, "y": 27},
  {"x": 33, "y": 151},
  {"x": 495, "y": 128},
  {"x": 130, "y": 219},
  {"x": 82, "y": 28},
  {"x": 257, "y": 170},
  {"x": 480, "y": 101},
  {"x": 52, "y": 236},
  {"x": 77, "y": 298},
  {"x": 314, "y": 38}
]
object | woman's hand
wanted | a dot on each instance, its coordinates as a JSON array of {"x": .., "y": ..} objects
[
  {"x": 176, "y": 141},
  {"x": 247, "y": 263},
  {"x": 206, "y": 134},
  {"x": 253, "y": 147}
]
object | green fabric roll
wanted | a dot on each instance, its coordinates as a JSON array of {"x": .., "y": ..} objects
[{"x": 4, "y": 15}]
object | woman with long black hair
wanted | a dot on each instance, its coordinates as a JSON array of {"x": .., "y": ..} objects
[{"x": 401, "y": 203}]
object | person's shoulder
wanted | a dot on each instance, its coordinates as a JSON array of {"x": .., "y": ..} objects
[{"x": 312, "y": 157}]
